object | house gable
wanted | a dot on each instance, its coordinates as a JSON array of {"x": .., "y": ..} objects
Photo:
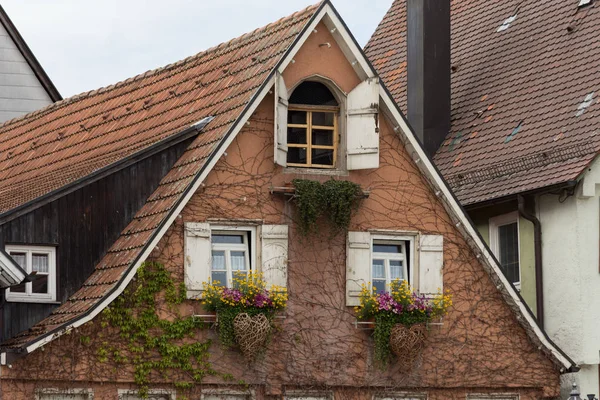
[{"x": 81, "y": 310}]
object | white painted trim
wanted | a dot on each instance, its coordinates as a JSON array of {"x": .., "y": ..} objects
[
  {"x": 243, "y": 394},
  {"x": 462, "y": 221},
  {"x": 55, "y": 391},
  {"x": 28, "y": 297},
  {"x": 397, "y": 236},
  {"x": 400, "y": 396},
  {"x": 9, "y": 274},
  {"x": 412, "y": 146},
  {"x": 495, "y": 223},
  {"x": 308, "y": 394},
  {"x": 169, "y": 392},
  {"x": 493, "y": 396},
  {"x": 251, "y": 256}
]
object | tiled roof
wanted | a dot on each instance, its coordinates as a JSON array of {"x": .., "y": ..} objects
[
  {"x": 525, "y": 113},
  {"x": 103, "y": 126}
]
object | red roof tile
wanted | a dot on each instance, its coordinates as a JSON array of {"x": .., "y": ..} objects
[
  {"x": 534, "y": 74},
  {"x": 219, "y": 82}
]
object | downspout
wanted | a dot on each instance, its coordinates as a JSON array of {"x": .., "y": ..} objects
[{"x": 537, "y": 234}]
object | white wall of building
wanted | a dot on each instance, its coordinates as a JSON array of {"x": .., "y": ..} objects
[
  {"x": 571, "y": 258},
  {"x": 20, "y": 90}
]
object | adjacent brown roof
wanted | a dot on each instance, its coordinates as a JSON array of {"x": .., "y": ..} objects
[
  {"x": 72, "y": 138},
  {"x": 525, "y": 113}
]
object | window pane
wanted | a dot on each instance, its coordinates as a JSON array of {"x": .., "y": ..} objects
[
  {"x": 378, "y": 269},
  {"x": 297, "y": 135},
  {"x": 509, "y": 250},
  {"x": 387, "y": 248},
  {"x": 63, "y": 396},
  {"x": 297, "y": 155},
  {"x": 379, "y": 286},
  {"x": 322, "y": 156},
  {"x": 238, "y": 260},
  {"x": 20, "y": 288},
  {"x": 322, "y": 118},
  {"x": 297, "y": 117},
  {"x": 40, "y": 284},
  {"x": 396, "y": 270},
  {"x": 39, "y": 262},
  {"x": 21, "y": 259},
  {"x": 235, "y": 239},
  {"x": 219, "y": 278},
  {"x": 218, "y": 260},
  {"x": 322, "y": 137}
]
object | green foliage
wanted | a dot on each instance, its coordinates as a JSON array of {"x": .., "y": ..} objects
[
  {"x": 336, "y": 199},
  {"x": 310, "y": 203},
  {"x": 154, "y": 343}
]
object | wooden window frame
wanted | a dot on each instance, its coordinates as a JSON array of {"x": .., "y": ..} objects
[
  {"x": 28, "y": 296},
  {"x": 309, "y": 128},
  {"x": 42, "y": 394},
  {"x": 407, "y": 240},
  {"x": 249, "y": 246}
]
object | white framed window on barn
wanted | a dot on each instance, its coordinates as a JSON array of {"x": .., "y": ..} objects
[
  {"x": 504, "y": 243},
  {"x": 37, "y": 260},
  {"x": 220, "y": 252},
  {"x": 378, "y": 258}
]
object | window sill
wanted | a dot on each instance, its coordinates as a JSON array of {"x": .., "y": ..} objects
[
  {"x": 315, "y": 171},
  {"x": 31, "y": 300},
  {"x": 291, "y": 191}
]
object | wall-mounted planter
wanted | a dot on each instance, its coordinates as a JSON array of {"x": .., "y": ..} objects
[{"x": 407, "y": 343}]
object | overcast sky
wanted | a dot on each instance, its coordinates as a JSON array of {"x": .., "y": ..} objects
[{"x": 87, "y": 44}]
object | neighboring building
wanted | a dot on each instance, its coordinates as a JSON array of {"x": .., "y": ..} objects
[
  {"x": 157, "y": 167},
  {"x": 24, "y": 85},
  {"x": 520, "y": 147}
]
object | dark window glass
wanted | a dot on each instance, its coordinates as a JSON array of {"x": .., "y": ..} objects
[
  {"x": 322, "y": 137},
  {"x": 216, "y": 238},
  {"x": 20, "y": 288},
  {"x": 297, "y": 117},
  {"x": 322, "y": 118},
  {"x": 297, "y": 135},
  {"x": 387, "y": 248},
  {"x": 313, "y": 93},
  {"x": 322, "y": 156},
  {"x": 509, "y": 251},
  {"x": 297, "y": 155},
  {"x": 40, "y": 284}
]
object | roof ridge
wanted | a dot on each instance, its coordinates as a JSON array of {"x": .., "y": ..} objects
[{"x": 90, "y": 93}]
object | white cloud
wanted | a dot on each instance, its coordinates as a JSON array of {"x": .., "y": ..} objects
[{"x": 84, "y": 45}]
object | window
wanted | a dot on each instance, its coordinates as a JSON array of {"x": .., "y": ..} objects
[
  {"x": 312, "y": 127},
  {"x": 493, "y": 397},
  {"x": 226, "y": 394},
  {"x": 380, "y": 257},
  {"x": 219, "y": 252},
  {"x": 504, "y": 243},
  {"x": 230, "y": 255},
  {"x": 153, "y": 394},
  {"x": 402, "y": 396},
  {"x": 389, "y": 262},
  {"x": 312, "y": 395},
  {"x": 65, "y": 394},
  {"x": 41, "y": 261}
]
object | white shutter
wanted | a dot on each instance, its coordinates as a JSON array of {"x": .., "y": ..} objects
[
  {"x": 274, "y": 254},
  {"x": 197, "y": 257},
  {"x": 362, "y": 128},
  {"x": 281, "y": 115},
  {"x": 431, "y": 262},
  {"x": 358, "y": 264}
]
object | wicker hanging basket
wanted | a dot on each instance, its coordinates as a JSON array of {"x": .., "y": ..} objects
[
  {"x": 251, "y": 333},
  {"x": 407, "y": 343}
]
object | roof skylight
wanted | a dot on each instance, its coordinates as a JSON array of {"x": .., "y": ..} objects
[{"x": 583, "y": 3}]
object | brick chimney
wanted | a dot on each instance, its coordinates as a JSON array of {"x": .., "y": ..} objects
[{"x": 428, "y": 58}]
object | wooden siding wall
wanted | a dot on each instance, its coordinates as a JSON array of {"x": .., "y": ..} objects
[
  {"x": 20, "y": 90},
  {"x": 82, "y": 224}
]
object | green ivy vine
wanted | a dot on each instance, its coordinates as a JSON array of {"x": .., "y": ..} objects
[
  {"x": 152, "y": 343},
  {"x": 336, "y": 199}
]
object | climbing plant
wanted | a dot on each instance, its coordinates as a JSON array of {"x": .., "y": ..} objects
[
  {"x": 336, "y": 199},
  {"x": 151, "y": 342}
]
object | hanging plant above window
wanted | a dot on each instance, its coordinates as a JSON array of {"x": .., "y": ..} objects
[{"x": 336, "y": 199}]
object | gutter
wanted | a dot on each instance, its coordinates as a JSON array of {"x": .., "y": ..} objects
[{"x": 539, "y": 284}]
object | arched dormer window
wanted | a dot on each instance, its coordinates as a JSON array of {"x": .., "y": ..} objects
[{"x": 312, "y": 127}]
